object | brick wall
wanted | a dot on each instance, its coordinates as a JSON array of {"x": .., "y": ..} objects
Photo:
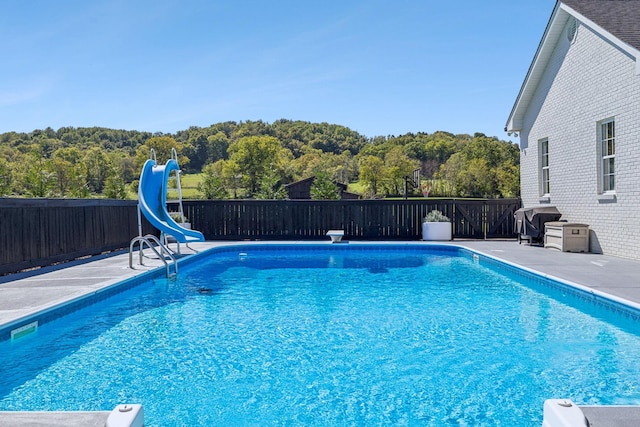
[{"x": 587, "y": 81}]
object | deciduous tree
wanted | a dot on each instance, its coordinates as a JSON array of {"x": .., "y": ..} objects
[
  {"x": 323, "y": 188},
  {"x": 162, "y": 146},
  {"x": 98, "y": 167},
  {"x": 271, "y": 186},
  {"x": 373, "y": 174},
  {"x": 255, "y": 155},
  {"x": 6, "y": 177},
  {"x": 115, "y": 187},
  {"x": 398, "y": 166},
  {"x": 212, "y": 184},
  {"x": 36, "y": 178}
]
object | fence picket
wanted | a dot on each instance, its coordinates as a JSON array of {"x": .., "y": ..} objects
[{"x": 360, "y": 219}]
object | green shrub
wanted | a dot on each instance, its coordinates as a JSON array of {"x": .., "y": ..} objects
[{"x": 436, "y": 216}]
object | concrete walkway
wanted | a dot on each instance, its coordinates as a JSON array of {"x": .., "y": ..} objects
[
  {"x": 24, "y": 294},
  {"x": 53, "y": 419}
]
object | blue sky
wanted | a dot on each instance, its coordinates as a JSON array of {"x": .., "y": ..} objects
[{"x": 378, "y": 67}]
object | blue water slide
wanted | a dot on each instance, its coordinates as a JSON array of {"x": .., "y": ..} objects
[{"x": 152, "y": 200}]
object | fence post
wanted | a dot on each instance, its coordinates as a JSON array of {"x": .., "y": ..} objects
[{"x": 484, "y": 219}]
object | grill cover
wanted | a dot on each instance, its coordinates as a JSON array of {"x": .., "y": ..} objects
[{"x": 530, "y": 221}]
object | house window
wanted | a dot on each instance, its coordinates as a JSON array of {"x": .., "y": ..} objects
[
  {"x": 544, "y": 166},
  {"x": 607, "y": 147}
]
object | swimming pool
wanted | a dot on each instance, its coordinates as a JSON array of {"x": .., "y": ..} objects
[{"x": 331, "y": 335}]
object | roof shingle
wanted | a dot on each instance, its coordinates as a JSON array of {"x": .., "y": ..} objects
[{"x": 619, "y": 17}]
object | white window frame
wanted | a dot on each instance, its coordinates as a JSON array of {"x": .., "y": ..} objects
[
  {"x": 543, "y": 169},
  {"x": 607, "y": 156}
]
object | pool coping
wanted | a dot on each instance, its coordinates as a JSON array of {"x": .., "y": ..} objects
[
  {"x": 53, "y": 418},
  {"x": 600, "y": 272}
]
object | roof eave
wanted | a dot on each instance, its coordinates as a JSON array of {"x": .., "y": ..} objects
[
  {"x": 540, "y": 60},
  {"x": 553, "y": 31}
]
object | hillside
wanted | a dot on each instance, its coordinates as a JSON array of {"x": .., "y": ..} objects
[{"x": 254, "y": 159}]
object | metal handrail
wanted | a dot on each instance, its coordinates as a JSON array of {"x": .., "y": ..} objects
[{"x": 163, "y": 249}]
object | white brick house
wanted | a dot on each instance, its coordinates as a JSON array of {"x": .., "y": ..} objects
[{"x": 578, "y": 118}]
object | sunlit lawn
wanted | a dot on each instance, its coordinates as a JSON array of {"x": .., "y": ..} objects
[
  {"x": 356, "y": 187},
  {"x": 189, "y": 184}
]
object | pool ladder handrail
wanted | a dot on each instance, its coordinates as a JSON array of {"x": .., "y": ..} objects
[{"x": 163, "y": 249}]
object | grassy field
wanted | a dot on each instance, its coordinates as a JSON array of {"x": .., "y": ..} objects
[
  {"x": 189, "y": 184},
  {"x": 356, "y": 187}
]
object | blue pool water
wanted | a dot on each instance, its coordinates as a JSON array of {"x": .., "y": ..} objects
[{"x": 330, "y": 335}]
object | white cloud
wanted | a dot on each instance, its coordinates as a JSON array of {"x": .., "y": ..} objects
[{"x": 8, "y": 99}]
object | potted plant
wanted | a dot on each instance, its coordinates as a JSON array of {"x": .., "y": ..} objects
[
  {"x": 436, "y": 226},
  {"x": 182, "y": 220}
]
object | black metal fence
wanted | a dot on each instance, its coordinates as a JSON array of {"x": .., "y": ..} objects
[{"x": 38, "y": 232}]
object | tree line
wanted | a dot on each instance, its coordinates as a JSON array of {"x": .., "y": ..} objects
[{"x": 255, "y": 159}]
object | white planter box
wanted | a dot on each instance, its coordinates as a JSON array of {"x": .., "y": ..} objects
[{"x": 436, "y": 231}]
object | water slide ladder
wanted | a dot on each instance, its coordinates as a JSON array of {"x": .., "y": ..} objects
[{"x": 177, "y": 201}]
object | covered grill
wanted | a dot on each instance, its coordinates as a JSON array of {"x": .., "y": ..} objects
[{"x": 530, "y": 222}]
